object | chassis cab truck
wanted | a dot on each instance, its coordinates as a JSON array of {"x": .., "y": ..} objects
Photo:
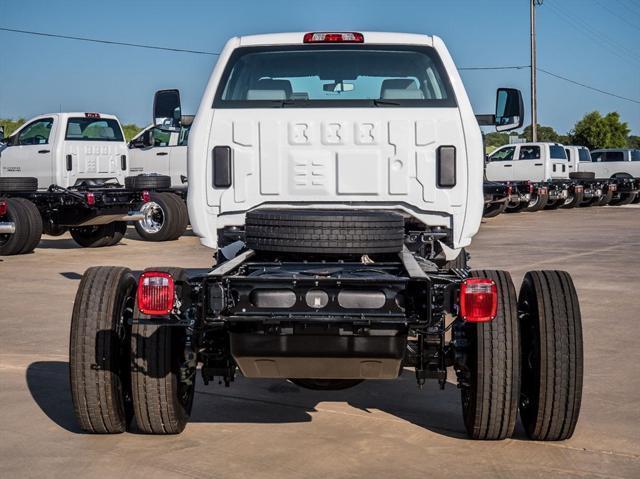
[
  {"x": 161, "y": 156},
  {"x": 596, "y": 191},
  {"x": 540, "y": 165},
  {"x": 339, "y": 175},
  {"x": 621, "y": 166},
  {"x": 64, "y": 171}
]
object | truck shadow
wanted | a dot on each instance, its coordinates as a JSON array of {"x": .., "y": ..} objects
[{"x": 265, "y": 401}]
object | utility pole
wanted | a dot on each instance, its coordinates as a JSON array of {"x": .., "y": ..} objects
[{"x": 534, "y": 93}]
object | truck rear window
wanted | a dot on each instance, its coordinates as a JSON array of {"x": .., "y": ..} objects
[
  {"x": 557, "y": 152},
  {"x": 583, "y": 154},
  {"x": 334, "y": 76},
  {"x": 93, "y": 129}
]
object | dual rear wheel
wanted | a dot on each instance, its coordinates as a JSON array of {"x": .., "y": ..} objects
[
  {"x": 119, "y": 371},
  {"x": 528, "y": 359}
]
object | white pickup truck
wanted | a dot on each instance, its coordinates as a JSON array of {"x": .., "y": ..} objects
[
  {"x": 340, "y": 175},
  {"x": 63, "y": 171},
  {"x": 543, "y": 166},
  {"x": 154, "y": 150},
  {"x": 597, "y": 191},
  {"x": 158, "y": 153},
  {"x": 620, "y": 164}
]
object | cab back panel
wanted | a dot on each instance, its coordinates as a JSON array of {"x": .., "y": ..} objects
[
  {"x": 92, "y": 159},
  {"x": 328, "y": 156}
]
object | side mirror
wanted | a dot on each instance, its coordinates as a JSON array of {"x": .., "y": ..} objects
[
  {"x": 1, "y": 132},
  {"x": 167, "y": 111},
  {"x": 509, "y": 109}
]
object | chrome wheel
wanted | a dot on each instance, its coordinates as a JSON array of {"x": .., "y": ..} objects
[{"x": 153, "y": 217}]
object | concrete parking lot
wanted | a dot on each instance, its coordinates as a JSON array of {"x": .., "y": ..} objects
[{"x": 271, "y": 428}]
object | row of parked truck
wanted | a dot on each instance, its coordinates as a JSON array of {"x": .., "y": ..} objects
[
  {"x": 537, "y": 176},
  {"x": 75, "y": 172}
]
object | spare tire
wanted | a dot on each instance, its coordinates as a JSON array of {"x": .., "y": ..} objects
[
  {"x": 582, "y": 175},
  {"x": 324, "y": 231},
  {"x": 147, "y": 182},
  {"x": 18, "y": 184}
]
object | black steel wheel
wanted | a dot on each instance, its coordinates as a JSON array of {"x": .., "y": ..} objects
[
  {"x": 99, "y": 350},
  {"x": 552, "y": 355},
  {"x": 28, "y": 227},
  {"x": 494, "y": 209},
  {"x": 162, "y": 389},
  {"x": 537, "y": 202},
  {"x": 491, "y": 389},
  {"x": 98, "y": 236}
]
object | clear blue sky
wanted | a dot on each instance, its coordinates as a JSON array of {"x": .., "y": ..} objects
[{"x": 596, "y": 42}]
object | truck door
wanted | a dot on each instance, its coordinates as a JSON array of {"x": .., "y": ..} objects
[
  {"x": 30, "y": 152},
  {"x": 572, "y": 159},
  {"x": 178, "y": 165},
  {"x": 530, "y": 164},
  {"x": 557, "y": 165},
  {"x": 153, "y": 158},
  {"x": 500, "y": 164}
]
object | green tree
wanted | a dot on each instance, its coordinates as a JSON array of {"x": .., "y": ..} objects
[
  {"x": 633, "y": 141},
  {"x": 596, "y": 131},
  {"x": 11, "y": 125},
  {"x": 545, "y": 133},
  {"x": 496, "y": 139},
  {"x": 130, "y": 130}
]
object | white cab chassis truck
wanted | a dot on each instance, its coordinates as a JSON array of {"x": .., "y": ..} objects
[
  {"x": 340, "y": 177},
  {"x": 597, "y": 191},
  {"x": 620, "y": 165},
  {"x": 161, "y": 155},
  {"x": 63, "y": 171},
  {"x": 541, "y": 168}
]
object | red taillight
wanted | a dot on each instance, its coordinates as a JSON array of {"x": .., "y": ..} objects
[
  {"x": 478, "y": 300},
  {"x": 155, "y": 293},
  {"x": 530, "y": 188},
  {"x": 509, "y": 189},
  {"x": 3, "y": 208},
  {"x": 145, "y": 196},
  {"x": 91, "y": 198},
  {"x": 333, "y": 37}
]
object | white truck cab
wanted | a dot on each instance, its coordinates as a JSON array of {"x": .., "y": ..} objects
[
  {"x": 157, "y": 151},
  {"x": 606, "y": 163},
  {"x": 528, "y": 161},
  {"x": 65, "y": 149},
  {"x": 384, "y": 122}
]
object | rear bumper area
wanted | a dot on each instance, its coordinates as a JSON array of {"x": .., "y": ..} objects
[{"x": 319, "y": 356}]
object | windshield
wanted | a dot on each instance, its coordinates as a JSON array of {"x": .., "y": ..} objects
[
  {"x": 336, "y": 76},
  {"x": 93, "y": 129}
]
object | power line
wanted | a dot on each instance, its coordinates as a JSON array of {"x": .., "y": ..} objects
[
  {"x": 600, "y": 39},
  {"x": 515, "y": 67},
  {"x": 108, "y": 42},
  {"x": 620, "y": 17},
  {"x": 199, "y": 52},
  {"x": 587, "y": 86}
]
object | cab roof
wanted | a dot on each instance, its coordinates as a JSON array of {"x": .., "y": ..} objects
[
  {"x": 75, "y": 114},
  {"x": 296, "y": 38}
]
